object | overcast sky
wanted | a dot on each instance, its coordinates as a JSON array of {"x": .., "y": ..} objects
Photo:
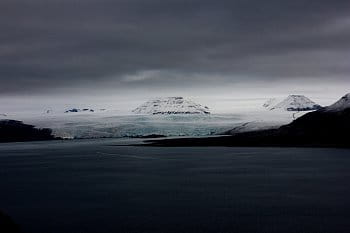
[{"x": 229, "y": 48}]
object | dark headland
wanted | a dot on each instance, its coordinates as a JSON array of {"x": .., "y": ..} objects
[{"x": 17, "y": 131}]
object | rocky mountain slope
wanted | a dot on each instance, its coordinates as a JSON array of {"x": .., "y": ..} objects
[{"x": 340, "y": 105}]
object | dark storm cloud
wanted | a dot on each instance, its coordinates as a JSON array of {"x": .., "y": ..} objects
[{"x": 48, "y": 44}]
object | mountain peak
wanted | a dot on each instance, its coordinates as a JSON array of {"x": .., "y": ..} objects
[
  {"x": 341, "y": 104},
  {"x": 293, "y": 103},
  {"x": 171, "y": 105}
]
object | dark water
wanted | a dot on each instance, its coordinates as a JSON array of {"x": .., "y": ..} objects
[{"x": 91, "y": 186}]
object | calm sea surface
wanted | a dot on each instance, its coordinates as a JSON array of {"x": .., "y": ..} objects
[{"x": 93, "y": 186}]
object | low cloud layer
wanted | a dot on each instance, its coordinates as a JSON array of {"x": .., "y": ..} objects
[{"x": 47, "y": 46}]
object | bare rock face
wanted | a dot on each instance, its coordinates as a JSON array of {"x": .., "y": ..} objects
[
  {"x": 171, "y": 105},
  {"x": 79, "y": 110},
  {"x": 84, "y": 110}
]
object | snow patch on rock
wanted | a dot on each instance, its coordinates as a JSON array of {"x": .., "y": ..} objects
[
  {"x": 270, "y": 103},
  {"x": 75, "y": 110}
]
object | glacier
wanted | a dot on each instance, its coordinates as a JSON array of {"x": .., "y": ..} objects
[
  {"x": 113, "y": 123},
  {"x": 109, "y": 124}
]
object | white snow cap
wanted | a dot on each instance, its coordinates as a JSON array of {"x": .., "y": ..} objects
[
  {"x": 341, "y": 104},
  {"x": 292, "y": 103},
  {"x": 171, "y": 105}
]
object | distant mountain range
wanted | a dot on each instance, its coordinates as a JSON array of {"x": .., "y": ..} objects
[
  {"x": 292, "y": 103},
  {"x": 75, "y": 110},
  {"x": 326, "y": 127},
  {"x": 171, "y": 105}
]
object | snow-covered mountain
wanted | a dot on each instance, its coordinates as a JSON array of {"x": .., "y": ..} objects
[
  {"x": 340, "y": 105},
  {"x": 292, "y": 103},
  {"x": 171, "y": 105}
]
